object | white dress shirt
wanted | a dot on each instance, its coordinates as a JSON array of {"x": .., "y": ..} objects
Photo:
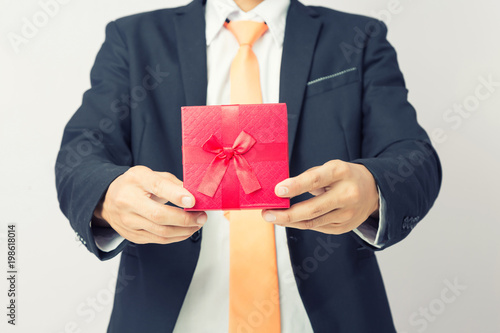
[{"x": 206, "y": 306}]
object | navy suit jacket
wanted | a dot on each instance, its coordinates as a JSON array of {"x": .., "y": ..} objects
[{"x": 346, "y": 100}]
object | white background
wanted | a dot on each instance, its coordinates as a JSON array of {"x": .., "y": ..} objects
[{"x": 444, "y": 48}]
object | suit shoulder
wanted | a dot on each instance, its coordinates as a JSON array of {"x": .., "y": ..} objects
[
  {"x": 336, "y": 17},
  {"x": 137, "y": 19},
  {"x": 145, "y": 18}
]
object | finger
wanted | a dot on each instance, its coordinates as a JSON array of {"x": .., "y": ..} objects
[
  {"x": 140, "y": 223},
  {"x": 336, "y": 219},
  {"x": 145, "y": 237},
  {"x": 305, "y": 210},
  {"x": 167, "y": 215},
  {"x": 171, "y": 177},
  {"x": 169, "y": 231},
  {"x": 142, "y": 236},
  {"x": 319, "y": 191},
  {"x": 311, "y": 169},
  {"x": 170, "y": 191},
  {"x": 311, "y": 180},
  {"x": 337, "y": 229},
  {"x": 157, "y": 199}
]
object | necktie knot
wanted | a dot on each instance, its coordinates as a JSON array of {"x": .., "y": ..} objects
[
  {"x": 246, "y": 32},
  {"x": 244, "y": 75}
]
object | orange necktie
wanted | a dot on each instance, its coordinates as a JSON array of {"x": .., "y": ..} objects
[{"x": 253, "y": 274}]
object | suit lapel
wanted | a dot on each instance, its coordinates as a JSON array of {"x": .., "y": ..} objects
[
  {"x": 191, "y": 43},
  {"x": 302, "y": 29}
]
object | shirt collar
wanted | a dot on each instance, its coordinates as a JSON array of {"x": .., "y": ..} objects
[{"x": 273, "y": 12}]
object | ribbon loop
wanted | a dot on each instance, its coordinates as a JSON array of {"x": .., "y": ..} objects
[{"x": 219, "y": 165}]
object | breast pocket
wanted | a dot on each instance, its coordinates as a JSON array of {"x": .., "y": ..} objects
[{"x": 332, "y": 81}]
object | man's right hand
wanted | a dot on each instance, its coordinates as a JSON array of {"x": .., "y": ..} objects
[{"x": 134, "y": 206}]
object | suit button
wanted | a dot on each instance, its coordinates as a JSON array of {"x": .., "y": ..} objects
[{"x": 196, "y": 236}]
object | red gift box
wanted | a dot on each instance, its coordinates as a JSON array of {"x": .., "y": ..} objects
[{"x": 234, "y": 155}]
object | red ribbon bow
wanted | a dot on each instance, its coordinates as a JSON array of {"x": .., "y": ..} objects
[{"x": 218, "y": 167}]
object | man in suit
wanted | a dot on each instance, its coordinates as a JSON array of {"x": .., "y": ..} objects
[{"x": 363, "y": 171}]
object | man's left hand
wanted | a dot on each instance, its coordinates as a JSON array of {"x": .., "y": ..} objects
[{"x": 345, "y": 196}]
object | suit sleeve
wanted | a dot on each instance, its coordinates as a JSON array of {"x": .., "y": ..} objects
[
  {"x": 395, "y": 149},
  {"x": 95, "y": 146}
]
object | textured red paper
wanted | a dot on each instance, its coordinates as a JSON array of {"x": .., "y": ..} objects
[{"x": 268, "y": 158}]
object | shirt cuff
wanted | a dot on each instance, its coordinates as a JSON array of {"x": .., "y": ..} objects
[
  {"x": 106, "y": 239},
  {"x": 369, "y": 233}
]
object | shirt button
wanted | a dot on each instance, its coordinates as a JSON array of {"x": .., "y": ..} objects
[{"x": 196, "y": 236}]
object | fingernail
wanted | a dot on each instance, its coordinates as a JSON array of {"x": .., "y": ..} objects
[
  {"x": 187, "y": 202},
  {"x": 282, "y": 190},
  {"x": 269, "y": 217},
  {"x": 201, "y": 219}
]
